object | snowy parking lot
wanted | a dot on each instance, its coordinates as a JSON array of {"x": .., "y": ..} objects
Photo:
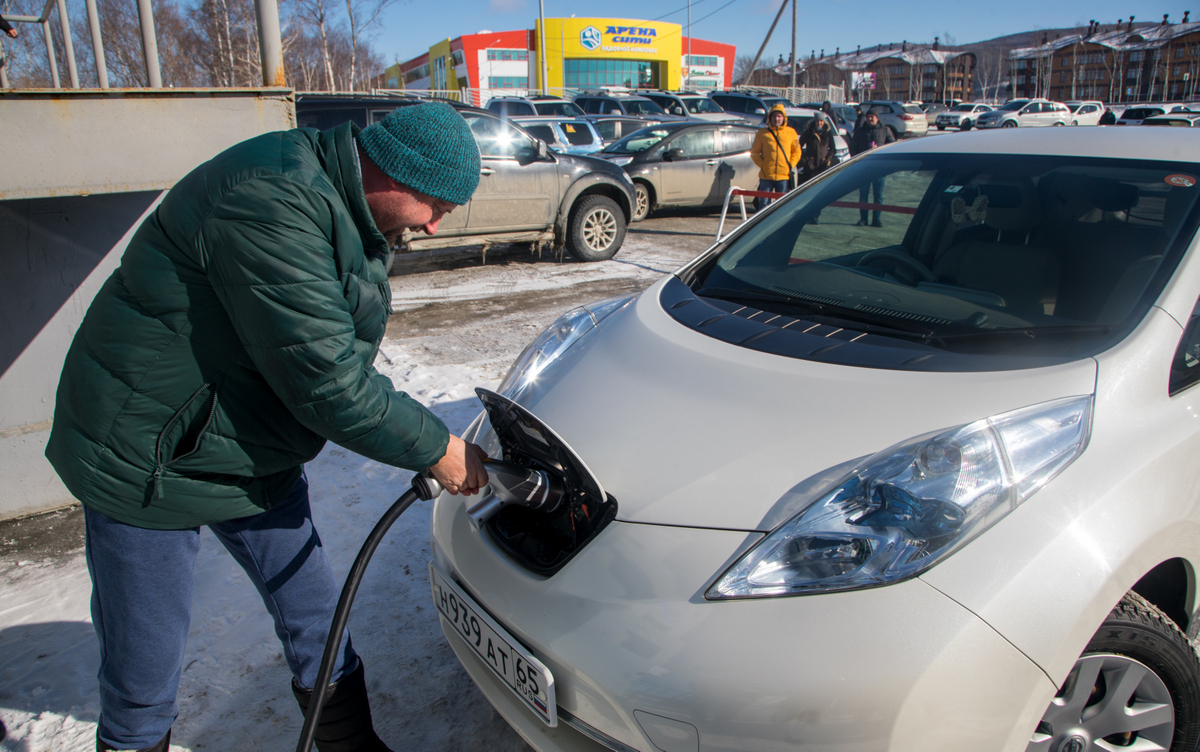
[{"x": 458, "y": 323}]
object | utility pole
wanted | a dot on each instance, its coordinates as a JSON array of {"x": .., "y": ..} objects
[
  {"x": 793, "y": 85},
  {"x": 542, "y": 42},
  {"x": 770, "y": 31},
  {"x": 688, "y": 82}
]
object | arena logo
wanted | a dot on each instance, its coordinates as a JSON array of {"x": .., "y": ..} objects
[
  {"x": 590, "y": 38},
  {"x": 631, "y": 34}
]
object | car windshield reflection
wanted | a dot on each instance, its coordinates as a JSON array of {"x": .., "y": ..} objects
[
  {"x": 974, "y": 253},
  {"x": 641, "y": 140}
]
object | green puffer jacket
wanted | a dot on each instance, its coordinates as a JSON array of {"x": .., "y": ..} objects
[{"x": 236, "y": 337}]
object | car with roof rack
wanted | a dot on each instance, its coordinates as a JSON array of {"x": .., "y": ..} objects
[
  {"x": 691, "y": 104},
  {"x": 1025, "y": 113},
  {"x": 961, "y": 116},
  {"x": 533, "y": 106},
  {"x": 565, "y": 135},
  {"x": 629, "y": 105}
]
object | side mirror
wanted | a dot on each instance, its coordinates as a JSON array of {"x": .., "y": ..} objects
[
  {"x": 530, "y": 154},
  {"x": 672, "y": 154},
  {"x": 759, "y": 111},
  {"x": 677, "y": 110}
]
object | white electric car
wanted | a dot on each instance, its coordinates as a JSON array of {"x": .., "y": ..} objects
[{"x": 927, "y": 485}]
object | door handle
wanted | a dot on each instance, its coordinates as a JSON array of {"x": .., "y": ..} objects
[
  {"x": 712, "y": 162},
  {"x": 486, "y": 171}
]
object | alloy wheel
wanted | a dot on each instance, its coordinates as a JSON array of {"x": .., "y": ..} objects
[
  {"x": 599, "y": 229},
  {"x": 1108, "y": 702}
]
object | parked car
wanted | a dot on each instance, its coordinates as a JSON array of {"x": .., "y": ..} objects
[
  {"x": 564, "y": 135},
  {"x": 324, "y": 111},
  {"x": 630, "y": 105},
  {"x": 1135, "y": 114},
  {"x": 526, "y": 193},
  {"x": 1085, "y": 113},
  {"x": 961, "y": 116},
  {"x": 752, "y": 107},
  {"x": 533, "y": 106},
  {"x": 844, "y": 116},
  {"x": 685, "y": 164},
  {"x": 932, "y": 110},
  {"x": 924, "y": 486},
  {"x": 905, "y": 120},
  {"x": 1029, "y": 113},
  {"x": 616, "y": 127},
  {"x": 690, "y": 104},
  {"x": 1177, "y": 119},
  {"x": 798, "y": 119}
]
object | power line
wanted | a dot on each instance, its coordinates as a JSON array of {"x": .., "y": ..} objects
[{"x": 676, "y": 11}]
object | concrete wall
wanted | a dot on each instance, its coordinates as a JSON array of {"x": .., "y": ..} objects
[{"x": 81, "y": 170}]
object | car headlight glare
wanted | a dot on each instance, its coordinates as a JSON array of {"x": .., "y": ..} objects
[
  {"x": 905, "y": 509},
  {"x": 553, "y": 343}
]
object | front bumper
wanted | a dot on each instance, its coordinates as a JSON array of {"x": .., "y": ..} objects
[{"x": 624, "y": 627}]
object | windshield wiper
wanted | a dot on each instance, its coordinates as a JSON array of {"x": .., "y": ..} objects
[
  {"x": 871, "y": 323},
  {"x": 1028, "y": 332}
]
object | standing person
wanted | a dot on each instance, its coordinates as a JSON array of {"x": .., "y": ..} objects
[
  {"x": 870, "y": 135},
  {"x": 235, "y": 338},
  {"x": 776, "y": 149},
  {"x": 819, "y": 152}
]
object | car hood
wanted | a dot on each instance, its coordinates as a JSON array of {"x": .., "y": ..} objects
[{"x": 683, "y": 429}]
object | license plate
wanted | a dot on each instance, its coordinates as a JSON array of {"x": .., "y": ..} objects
[{"x": 525, "y": 675}]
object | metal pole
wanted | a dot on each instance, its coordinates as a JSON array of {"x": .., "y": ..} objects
[
  {"x": 50, "y": 51},
  {"x": 68, "y": 46},
  {"x": 270, "y": 44},
  {"x": 542, "y": 42},
  {"x": 793, "y": 46},
  {"x": 149, "y": 44},
  {"x": 688, "y": 83},
  {"x": 770, "y": 31},
  {"x": 4, "y": 84},
  {"x": 97, "y": 44}
]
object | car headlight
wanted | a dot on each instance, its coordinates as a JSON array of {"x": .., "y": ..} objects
[
  {"x": 908, "y": 507},
  {"x": 553, "y": 343}
]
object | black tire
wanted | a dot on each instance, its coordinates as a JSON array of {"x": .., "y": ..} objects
[
  {"x": 941, "y": 127},
  {"x": 1138, "y": 659},
  {"x": 596, "y": 229},
  {"x": 964, "y": 125},
  {"x": 643, "y": 201},
  {"x": 1009, "y": 124}
]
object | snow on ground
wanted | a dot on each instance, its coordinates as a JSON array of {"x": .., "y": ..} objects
[{"x": 455, "y": 332}]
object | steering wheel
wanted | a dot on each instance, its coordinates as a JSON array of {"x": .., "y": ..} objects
[{"x": 903, "y": 259}]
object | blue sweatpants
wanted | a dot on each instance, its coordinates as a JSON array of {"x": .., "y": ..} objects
[{"x": 142, "y": 599}]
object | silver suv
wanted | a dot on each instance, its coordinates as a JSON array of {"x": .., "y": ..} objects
[
  {"x": 630, "y": 105},
  {"x": 691, "y": 104},
  {"x": 533, "y": 107},
  {"x": 1026, "y": 113},
  {"x": 904, "y": 120}
]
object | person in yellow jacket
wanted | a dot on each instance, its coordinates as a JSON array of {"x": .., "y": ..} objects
[{"x": 776, "y": 150}]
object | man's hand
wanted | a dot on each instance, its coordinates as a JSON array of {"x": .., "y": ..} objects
[
  {"x": 461, "y": 469},
  {"x": 12, "y": 33}
]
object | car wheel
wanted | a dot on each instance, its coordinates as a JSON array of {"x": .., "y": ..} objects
[
  {"x": 1074, "y": 122},
  {"x": 1009, "y": 124},
  {"x": 596, "y": 230},
  {"x": 641, "y": 208},
  {"x": 965, "y": 125},
  {"x": 1060, "y": 123},
  {"x": 1137, "y": 685}
]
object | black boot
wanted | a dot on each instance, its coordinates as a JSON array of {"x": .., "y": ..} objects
[
  {"x": 345, "y": 724},
  {"x": 163, "y": 745}
]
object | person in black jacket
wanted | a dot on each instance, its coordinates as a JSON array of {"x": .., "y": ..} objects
[
  {"x": 7, "y": 28},
  {"x": 870, "y": 135}
]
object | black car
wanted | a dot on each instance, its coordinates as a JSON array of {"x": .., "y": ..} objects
[{"x": 526, "y": 192}]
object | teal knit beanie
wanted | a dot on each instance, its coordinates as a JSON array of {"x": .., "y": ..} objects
[{"x": 427, "y": 147}]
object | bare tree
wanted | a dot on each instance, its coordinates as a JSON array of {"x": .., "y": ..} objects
[
  {"x": 741, "y": 69},
  {"x": 363, "y": 16},
  {"x": 316, "y": 12}
]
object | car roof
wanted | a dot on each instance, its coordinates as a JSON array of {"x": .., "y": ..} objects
[
  {"x": 535, "y": 119},
  {"x": 1166, "y": 144}
]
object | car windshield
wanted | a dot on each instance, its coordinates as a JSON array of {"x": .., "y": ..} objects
[
  {"x": 1141, "y": 113},
  {"x": 577, "y": 132},
  {"x": 697, "y": 105},
  {"x": 1074, "y": 106},
  {"x": 983, "y": 254},
  {"x": 913, "y": 109},
  {"x": 772, "y": 101},
  {"x": 643, "y": 107},
  {"x": 641, "y": 140},
  {"x": 963, "y": 108},
  {"x": 1014, "y": 105},
  {"x": 558, "y": 109}
]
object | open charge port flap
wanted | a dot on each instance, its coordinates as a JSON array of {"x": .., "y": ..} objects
[{"x": 544, "y": 543}]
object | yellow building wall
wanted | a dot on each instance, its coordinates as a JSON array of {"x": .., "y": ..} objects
[
  {"x": 442, "y": 50},
  {"x": 615, "y": 38}
]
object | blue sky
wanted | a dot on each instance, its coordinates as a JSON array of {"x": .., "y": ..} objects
[{"x": 412, "y": 26}]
